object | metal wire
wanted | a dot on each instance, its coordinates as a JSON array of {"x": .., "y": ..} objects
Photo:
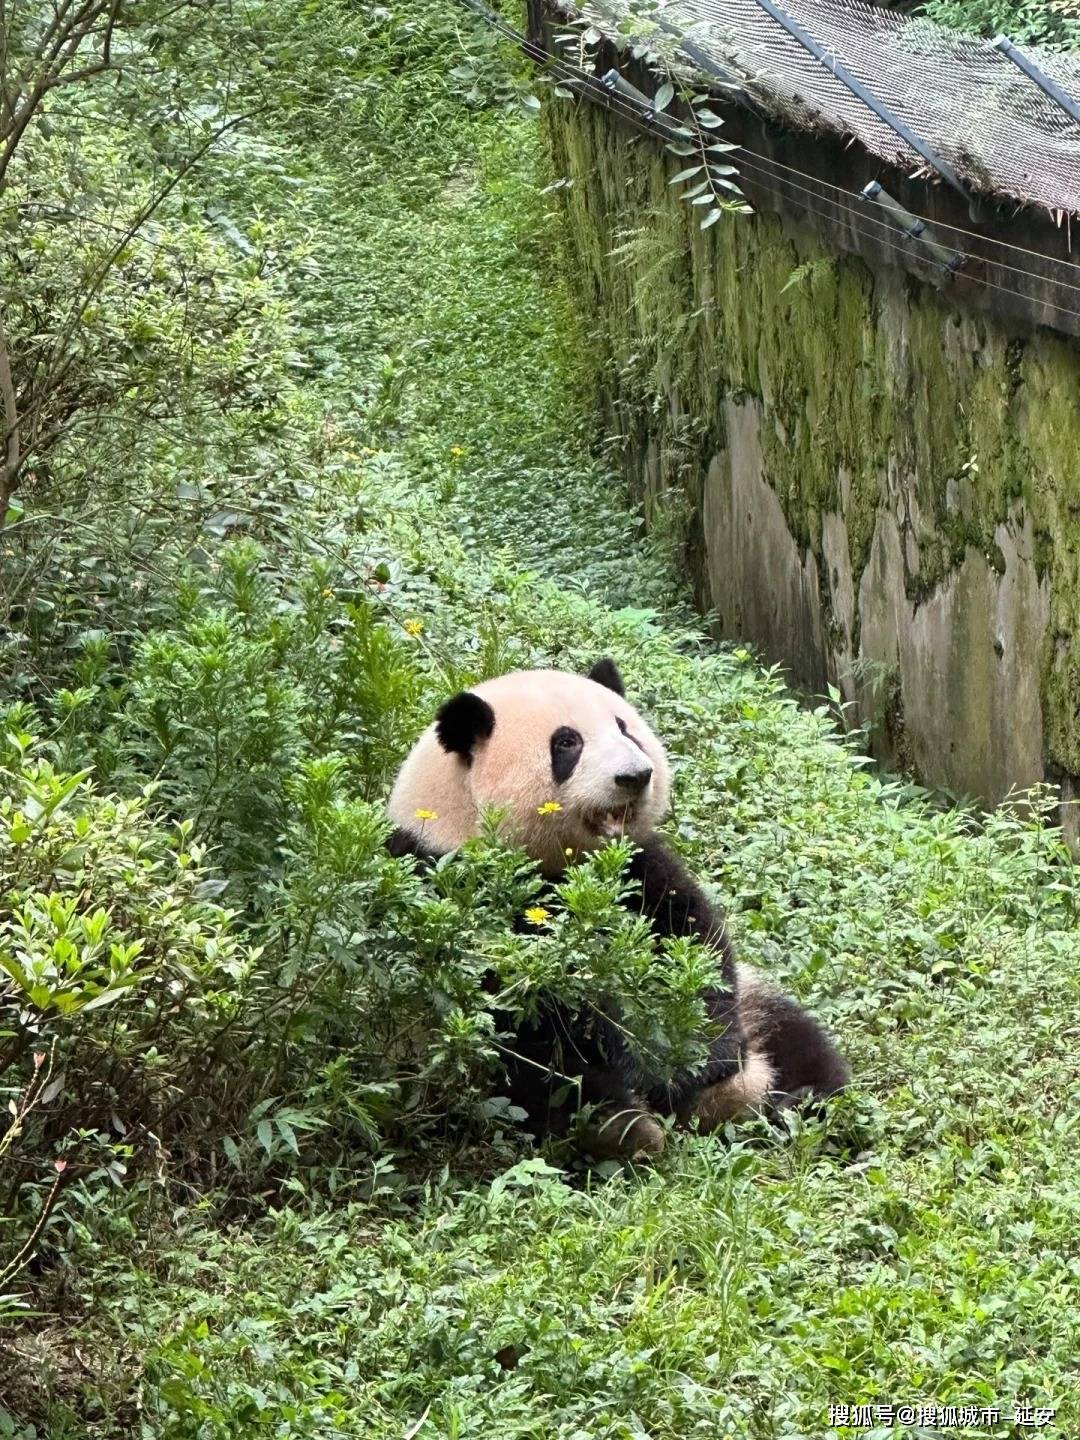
[
  {"x": 948, "y": 225},
  {"x": 832, "y": 64},
  {"x": 854, "y": 212},
  {"x": 855, "y": 216},
  {"x": 1045, "y": 82},
  {"x": 998, "y": 130}
]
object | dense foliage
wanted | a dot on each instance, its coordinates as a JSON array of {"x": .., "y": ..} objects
[
  {"x": 326, "y": 461},
  {"x": 1053, "y": 23}
]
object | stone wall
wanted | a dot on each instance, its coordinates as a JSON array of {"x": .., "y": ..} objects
[{"x": 881, "y": 487}]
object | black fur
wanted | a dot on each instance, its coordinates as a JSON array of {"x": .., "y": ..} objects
[
  {"x": 404, "y": 842},
  {"x": 605, "y": 672},
  {"x": 561, "y": 1061},
  {"x": 676, "y": 906},
  {"x": 566, "y": 750},
  {"x": 621, "y": 723},
  {"x": 801, "y": 1051},
  {"x": 462, "y": 721}
]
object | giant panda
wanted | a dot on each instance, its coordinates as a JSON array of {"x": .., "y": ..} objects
[{"x": 533, "y": 737}]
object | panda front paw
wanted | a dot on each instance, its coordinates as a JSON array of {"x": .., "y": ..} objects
[{"x": 626, "y": 1134}]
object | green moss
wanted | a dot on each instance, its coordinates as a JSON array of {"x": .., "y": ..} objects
[
  {"x": 1050, "y": 398},
  {"x": 875, "y": 390}
]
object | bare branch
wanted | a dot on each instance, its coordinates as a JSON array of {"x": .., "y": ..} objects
[{"x": 74, "y": 23}]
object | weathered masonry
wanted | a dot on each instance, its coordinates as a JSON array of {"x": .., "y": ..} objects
[{"x": 876, "y": 435}]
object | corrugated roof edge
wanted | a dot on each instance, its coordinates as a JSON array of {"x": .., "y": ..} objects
[{"x": 681, "y": 50}]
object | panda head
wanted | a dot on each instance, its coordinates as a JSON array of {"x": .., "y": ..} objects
[{"x": 567, "y": 759}]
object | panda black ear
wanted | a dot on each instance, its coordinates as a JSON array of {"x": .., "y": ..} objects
[
  {"x": 605, "y": 672},
  {"x": 462, "y": 721}
]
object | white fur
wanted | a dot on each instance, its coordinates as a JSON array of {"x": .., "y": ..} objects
[
  {"x": 753, "y": 993},
  {"x": 511, "y": 770},
  {"x": 748, "y": 1090},
  {"x": 741, "y": 1095}
]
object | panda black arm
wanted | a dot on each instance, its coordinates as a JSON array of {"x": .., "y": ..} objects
[
  {"x": 676, "y": 906},
  {"x": 674, "y": 902}
]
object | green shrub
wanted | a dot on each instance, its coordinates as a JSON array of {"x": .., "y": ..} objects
[
  {"x": 364, "y": 1013},
  {"x": 1053, "y": 23},
  {"x": 116, "y": 972}
]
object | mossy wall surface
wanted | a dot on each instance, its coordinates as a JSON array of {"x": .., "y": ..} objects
[{"x": 883, "y": 489}]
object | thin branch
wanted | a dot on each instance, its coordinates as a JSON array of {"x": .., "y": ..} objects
[
  {"x": 12, "y": 457},
  {"x": 34, "y": 410},
  {"x": 67, "y": 32},
  {"x": 25, "y": 1253}
]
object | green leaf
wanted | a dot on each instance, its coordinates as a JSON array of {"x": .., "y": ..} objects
[
  {"x": 686, "y": 174},
  {"x": 113, "y": 993},
  {"x": 288, "y": 1134},
  {"x": 664, "y": 96},
  {"x": 14, "y": 969}
]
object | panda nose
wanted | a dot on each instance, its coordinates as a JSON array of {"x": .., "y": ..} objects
[{"x": 635, "y": 782}]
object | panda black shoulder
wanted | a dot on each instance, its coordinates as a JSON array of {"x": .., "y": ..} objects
[{"x": 403, "y": 842}]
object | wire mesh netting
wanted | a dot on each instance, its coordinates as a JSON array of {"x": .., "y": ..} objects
[{"x": 972, "y": 105}]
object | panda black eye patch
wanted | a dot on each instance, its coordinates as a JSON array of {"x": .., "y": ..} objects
[{"x": 566, "y": 748}]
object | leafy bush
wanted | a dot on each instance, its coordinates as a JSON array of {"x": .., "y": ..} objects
[
  {"x": 1054, "y": 23},
  {"x": 366, "y": 1004},
  {"x": 117, "y": 974}
]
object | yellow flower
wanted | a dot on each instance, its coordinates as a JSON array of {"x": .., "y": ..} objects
[
  {"x": 457, "y": 451},
  {"x": 549, "y": 807},
  {"x": 414, "y": 627},
  {"x": 569, "y": 850},
  {"x": 536, "y": 914},
  {"x": 328, "y": 594},
  {"x": 425, "y": 815}
]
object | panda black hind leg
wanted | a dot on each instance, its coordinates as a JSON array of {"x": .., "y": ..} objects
[
  {"x": 803, "y": 1061},
  {"x": 788, "y": 1059}
]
